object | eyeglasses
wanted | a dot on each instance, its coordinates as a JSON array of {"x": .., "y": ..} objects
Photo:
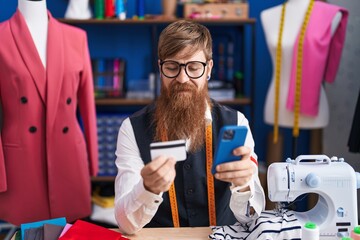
[{"x": 193, "y": 69}]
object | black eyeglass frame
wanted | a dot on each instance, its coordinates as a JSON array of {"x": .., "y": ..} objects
[{"x": 182, "y": 65}]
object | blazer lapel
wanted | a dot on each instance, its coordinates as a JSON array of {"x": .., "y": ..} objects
[
  {"x": 28, "y": 52},
  {"x": 55, "y": 67}
]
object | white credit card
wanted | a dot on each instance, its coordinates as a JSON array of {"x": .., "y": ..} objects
[{"x": 174, "y": 149}]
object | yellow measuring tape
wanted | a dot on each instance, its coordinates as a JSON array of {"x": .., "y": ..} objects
[
  {"x": 209, "y": 176},
  {"x": 298, "y": 71},
  {"x": 277, "y": 76},
  {"x": 210, "y": 183}
]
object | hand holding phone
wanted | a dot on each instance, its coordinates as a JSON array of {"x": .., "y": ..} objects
[{"x": 230, "y": 137}]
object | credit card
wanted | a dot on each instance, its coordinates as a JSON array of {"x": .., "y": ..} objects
[{"x": 174, "y": 149}]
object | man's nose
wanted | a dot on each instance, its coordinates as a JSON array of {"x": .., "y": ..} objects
[{"x": 182, "y": 77}]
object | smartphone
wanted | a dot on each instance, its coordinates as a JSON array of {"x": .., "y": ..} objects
[{"x": 230, "y": 137}]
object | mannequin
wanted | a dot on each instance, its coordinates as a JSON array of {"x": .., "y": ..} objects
[
  {"x": 294, "y": 15},
  {"x": 46, "y": 158},
  {"x": 37, "y": 23},
  {"x": 78, "y": 9}
]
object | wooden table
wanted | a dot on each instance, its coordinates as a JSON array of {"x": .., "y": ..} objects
[{"x": 188, "y": 233}]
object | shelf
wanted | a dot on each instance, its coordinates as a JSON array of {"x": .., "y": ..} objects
[
  {"x": 121, "y": 102},
  {"x": 236, "y": 101},
  {"x": 158, "y": 21},
  {"x": 103, "y": 179},
  {"x": 139, "y": 102}
]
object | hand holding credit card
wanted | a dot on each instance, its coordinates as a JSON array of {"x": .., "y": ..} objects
[{"x": 174, "y": 149}]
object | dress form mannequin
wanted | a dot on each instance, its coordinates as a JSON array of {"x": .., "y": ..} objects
[
  {"x": 78, "y": 9},
  {"x": 36, "y": 18},
  {"x": 43, "y": 142},
  {"x": 293, "y": 19}
]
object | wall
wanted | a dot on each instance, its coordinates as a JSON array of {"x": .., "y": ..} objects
[
  {"x": 343, "y": 93},
  {"x": 263, "y": 65}
]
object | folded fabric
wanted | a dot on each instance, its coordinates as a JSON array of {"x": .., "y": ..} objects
[
  {"x": 104, "y": 195},
  {"x": 34, "y": 233},
  {"x": 55, "y": 221},
  {"x": 104, "y": 215},
  {"x": 82, "y": 230},
  {"x": 52, "y": 232},
  {"x": 66, "y": 228},
  {"x": 270, "y": 225},
  {"x": 105, "y": 202}
]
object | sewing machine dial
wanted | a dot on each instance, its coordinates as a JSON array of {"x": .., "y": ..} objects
[{"x": 313, "y": 180}]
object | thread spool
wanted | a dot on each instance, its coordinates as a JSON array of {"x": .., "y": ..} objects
[
  {"x": 109, "y": 8},
  {"x": 120, "y": 10},
  {"x": 355, "y": 234},
  {"x": 99, "y": 9},
  {"x": 310, "y": 231},
  {"x": 141, "y": 9}
]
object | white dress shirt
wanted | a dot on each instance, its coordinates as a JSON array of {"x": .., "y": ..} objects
[{"x": 135, "y": 206}]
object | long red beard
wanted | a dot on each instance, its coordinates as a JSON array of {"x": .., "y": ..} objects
[{"x": 180, "y": 112}]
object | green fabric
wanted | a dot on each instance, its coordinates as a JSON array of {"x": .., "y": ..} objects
[{"x": 18, "y": 235}]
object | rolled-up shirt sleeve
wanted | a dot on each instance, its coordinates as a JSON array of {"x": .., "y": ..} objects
[{"x": 134, "y": 205}]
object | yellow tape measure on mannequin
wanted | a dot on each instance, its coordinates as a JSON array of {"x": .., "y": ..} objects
[
  {"x": 277, "y": 76},
  {"x": 299, "y": 61},
  {"x": 210, "y": 183}
]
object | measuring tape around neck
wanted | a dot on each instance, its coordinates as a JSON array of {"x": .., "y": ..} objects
[
  {"x": 299, "y": 61},
  {"x": 210, "y": 182}
]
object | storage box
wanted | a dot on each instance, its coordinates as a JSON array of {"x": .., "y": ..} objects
[{"x": 216, "y": 10}]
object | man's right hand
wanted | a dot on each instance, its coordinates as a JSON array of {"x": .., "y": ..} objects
[{"x": 159, "y": 174}]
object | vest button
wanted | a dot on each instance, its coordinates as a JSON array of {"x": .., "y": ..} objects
[
  {"x": 190, "y": 191},
  {"x": 23, "y": 100},
  {"x": 65, "y": 129},
  {"x": 32, "y": 129},
  {"x": 192, "y": 214},
  {"x": 156, "y": 201},
  {"x": 68, "y": 101},
  {"x": 187, "y": 166}
]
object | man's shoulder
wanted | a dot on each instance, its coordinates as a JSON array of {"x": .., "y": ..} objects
[
  {"x": 218, "y": 106},
  {"x": 144, "y": 111}
]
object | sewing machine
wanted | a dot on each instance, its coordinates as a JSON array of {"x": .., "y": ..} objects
[{"x": 333, "y": 180}]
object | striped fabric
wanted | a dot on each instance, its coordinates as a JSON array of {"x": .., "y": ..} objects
[{"x": 271, "y": 225}]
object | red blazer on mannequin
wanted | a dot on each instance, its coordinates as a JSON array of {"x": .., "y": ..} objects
[{"x": 45, "y": 162}]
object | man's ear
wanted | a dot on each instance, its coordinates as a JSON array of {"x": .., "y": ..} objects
[
  {"x": 209, "y": 67},
  {"x": 159, "y": 66}
]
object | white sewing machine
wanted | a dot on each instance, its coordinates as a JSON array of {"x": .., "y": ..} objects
[{"x": 333, "y": 180}]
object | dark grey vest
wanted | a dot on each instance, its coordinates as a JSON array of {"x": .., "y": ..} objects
[{"x": 190, "y": 181}]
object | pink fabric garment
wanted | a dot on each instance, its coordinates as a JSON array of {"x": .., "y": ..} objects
[
  {"x": 66, "y": 228},
  {"x": 321, "y": 56},
  {"x": 45, "y": 159}
]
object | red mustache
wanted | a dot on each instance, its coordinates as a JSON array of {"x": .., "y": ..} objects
[{"x": 178, "y": 87}]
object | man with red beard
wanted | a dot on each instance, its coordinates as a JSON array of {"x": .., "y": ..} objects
[{"x": 162, "y": 192}]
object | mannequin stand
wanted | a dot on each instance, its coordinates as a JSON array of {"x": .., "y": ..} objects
[{"x": 294, "y": 147}]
